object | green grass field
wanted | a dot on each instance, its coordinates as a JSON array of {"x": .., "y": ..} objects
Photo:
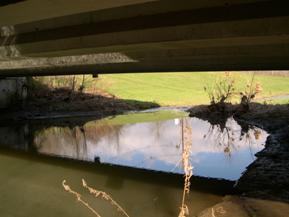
[
  {"x": 175, "y": 89},
  {"x": 141, "y": 118},
  {"x": 183, "y": 88}
]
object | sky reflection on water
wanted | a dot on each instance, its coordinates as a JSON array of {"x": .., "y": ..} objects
[{"x": 217, "y": 153}]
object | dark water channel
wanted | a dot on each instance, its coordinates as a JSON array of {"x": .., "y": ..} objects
[{"x": 136, "y": 158}]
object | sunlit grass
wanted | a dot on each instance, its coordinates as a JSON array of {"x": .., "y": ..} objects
[
  {"x": 275, "y": 101},
  {"x": 170, "y": 89},
  {"x": 182, "y": 88}
]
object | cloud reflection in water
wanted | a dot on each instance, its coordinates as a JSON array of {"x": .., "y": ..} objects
[{"x": 216, "y": 152}]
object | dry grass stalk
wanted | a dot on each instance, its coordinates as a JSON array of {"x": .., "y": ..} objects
[
  {"x": 97, "y": 194},
  {"x": 104, "y": 196},
  {"x": 188, "y": 168},
  {"x": 78, "y": 197}
]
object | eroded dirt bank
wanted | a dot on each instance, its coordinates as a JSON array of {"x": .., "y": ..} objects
[
  {"x": 63, "y": 103},
  {"x": 268, "y": 176}
]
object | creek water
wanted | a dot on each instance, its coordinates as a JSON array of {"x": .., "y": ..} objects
[{"x": 136, "y": 158}]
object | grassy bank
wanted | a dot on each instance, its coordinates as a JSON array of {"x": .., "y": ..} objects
[
  {"x": 169, "y": 89},
  {"x": 134, "y": 118}
]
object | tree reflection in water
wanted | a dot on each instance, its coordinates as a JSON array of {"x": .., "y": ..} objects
[
  {"x": 232, "y": 136},
  {"x": 157, "y": 145}
]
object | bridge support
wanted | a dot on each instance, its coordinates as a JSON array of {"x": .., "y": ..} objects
[{"x": 13, "y": 92}]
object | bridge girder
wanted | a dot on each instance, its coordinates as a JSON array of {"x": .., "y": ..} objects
[{"x": 147, "y": 36}]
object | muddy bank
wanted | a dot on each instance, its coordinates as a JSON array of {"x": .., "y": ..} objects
[
  {"x": 63, "y": 103},
  {"x": 246, "y": 207},
  {"x": 268, "y": 176}
]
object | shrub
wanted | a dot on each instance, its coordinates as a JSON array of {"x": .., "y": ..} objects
[{"x": 221, "y": 91}]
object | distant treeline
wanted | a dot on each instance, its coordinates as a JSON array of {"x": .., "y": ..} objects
[{"x": 274, "y": 73}]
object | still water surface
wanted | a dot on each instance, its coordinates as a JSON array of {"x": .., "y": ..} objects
[{"x": 30, "y": 184}]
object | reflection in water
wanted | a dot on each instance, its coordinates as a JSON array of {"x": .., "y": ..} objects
[
  {"x": 217, "y": 153},
  {"x": 30, "y": 186},
  {"x": 32, "y": 183}
]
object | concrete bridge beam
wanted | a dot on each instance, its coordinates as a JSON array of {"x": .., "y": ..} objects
[{"x": 148, "y": 36}]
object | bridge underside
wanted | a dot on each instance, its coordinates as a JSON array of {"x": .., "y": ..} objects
[{"x": 75, "y": 37}]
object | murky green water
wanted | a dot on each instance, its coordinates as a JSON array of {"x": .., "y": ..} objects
[{"x": 136, "y": 158}]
